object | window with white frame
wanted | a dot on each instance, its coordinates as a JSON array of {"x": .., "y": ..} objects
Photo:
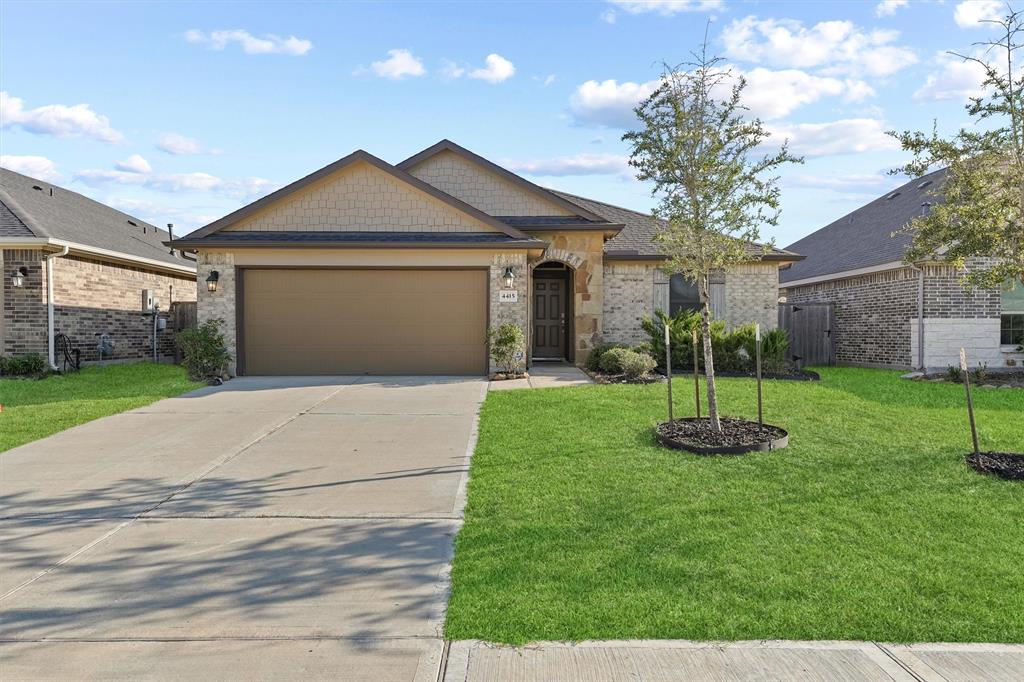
[{"x": 1011, "y": 323}]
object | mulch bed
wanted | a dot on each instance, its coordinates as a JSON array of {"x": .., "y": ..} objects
[
  {"x": 1006, "y": 465},
  {"x": 993, "y": 378},
  {"x": 602, "y": 378},
  {"x": 737, "y": 436},
  {"x": 792, "y": 375}
]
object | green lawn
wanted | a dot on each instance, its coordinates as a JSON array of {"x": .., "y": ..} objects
[
  {"x": 36, "y": 409},
  {"x": 868, "y": 527}
]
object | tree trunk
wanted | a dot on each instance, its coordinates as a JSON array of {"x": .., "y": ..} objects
[{"x": 709, "y": 358}]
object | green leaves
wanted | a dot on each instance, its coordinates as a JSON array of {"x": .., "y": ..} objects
[{"x": 976, "y": 220}]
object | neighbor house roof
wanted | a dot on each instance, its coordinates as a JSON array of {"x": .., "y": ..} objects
[
  {"x": 33, "y": 211},
  {"x": 871, "y": 236},
  {"x": 636, "y": 240}
]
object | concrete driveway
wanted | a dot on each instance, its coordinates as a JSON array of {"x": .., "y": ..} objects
[{"x": 277, "y": 528}]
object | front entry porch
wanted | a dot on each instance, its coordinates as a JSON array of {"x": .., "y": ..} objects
[{"x": 552, "y": 313}]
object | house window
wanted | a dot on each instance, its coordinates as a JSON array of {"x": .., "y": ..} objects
[
  {"x": 1011, "y": 328},
  {"x": 682, "y": 295}
]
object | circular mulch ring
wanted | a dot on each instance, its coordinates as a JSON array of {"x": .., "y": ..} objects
[
  {"x": 1006, "y": 465},
  {"x": 738, "y": 436}
]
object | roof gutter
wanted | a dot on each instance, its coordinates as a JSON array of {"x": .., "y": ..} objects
[
  {"x": 229, "y": 244},
  {"x": 844, "y": 274},
  {"x": 50, "y": 244}
]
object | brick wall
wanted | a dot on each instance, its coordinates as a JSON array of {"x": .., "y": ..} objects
[
  {"x": 628, "y": 298},
  {"x": 752, "y": 295},
  {"x": 873, "y": 314},
  {"x": 90, "y": 298}
]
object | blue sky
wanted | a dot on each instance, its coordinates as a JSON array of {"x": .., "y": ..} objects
[{"x": 183, "y": 112}]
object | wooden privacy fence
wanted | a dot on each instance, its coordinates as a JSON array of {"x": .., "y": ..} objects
[
  {"x": 182, "y": 316},
  {"x": 811, "y": 327}
]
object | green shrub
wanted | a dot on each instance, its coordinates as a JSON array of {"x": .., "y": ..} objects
[
  {"x": 636, "y": 365},
  {"x": 593, "y": 362},
  {"x": 205, "y": 353},
  {"x": 734, "y": 350},
  {"x": 680, "y": 330},
  {"x": 27, "y": 365},
  {"x": 611, "y": 360},
  {"x": 774, "y": 350},
  {"x": 507, "y": 346}
]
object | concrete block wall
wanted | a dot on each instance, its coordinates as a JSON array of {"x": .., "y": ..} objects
[
  {"x": 220, "y": 304},
  {"x": 944, "y": 337}
]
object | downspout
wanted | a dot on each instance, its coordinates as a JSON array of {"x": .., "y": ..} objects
[
  {"x": 50, "y": 351},
  {"x": 920, "y": 316}
]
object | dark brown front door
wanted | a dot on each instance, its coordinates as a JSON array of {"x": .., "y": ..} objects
[{"x": 549, "y": 323}]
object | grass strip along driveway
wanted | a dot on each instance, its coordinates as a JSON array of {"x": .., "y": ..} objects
[
  {"x": 868, "y": 527},
  {"x": 36, "y": 409}
]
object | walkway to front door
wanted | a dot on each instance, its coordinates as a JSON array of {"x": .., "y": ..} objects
[{"x": 550, "y": 314}]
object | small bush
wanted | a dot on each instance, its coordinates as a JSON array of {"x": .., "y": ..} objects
[
  {"x": 27, "y": 365},
  {"x": 635, "y": 365},
  {"x": 611, "y": 360},
  {"x": 953, "y": 373},
  {"x": 594, "y": 359},
  {"x": 205, "y": 353},
  {"x": 507, "y": 346},
  {"x": 980, "y": 373}
]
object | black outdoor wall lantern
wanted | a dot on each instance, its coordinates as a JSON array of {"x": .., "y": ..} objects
[
  {"x": 509, "y": 278},
  {"x": 211, "y": 281}
]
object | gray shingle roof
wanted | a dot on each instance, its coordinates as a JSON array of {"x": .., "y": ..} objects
[
  {"x": 637, "y": 237},
  {"x": 865, "y": 237},
  {"x": 57, "y": 213}
]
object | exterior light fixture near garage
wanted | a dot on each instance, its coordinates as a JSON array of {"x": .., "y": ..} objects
[
  {"x": 211, "y": 281},
  {"x": 509, "y": 277},
  {"x": 18, "y": 276}
]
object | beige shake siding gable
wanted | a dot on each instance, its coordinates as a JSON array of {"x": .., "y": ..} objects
[
  {"x": 360, "y": 198},
  {"x": 481, "y": 188}
]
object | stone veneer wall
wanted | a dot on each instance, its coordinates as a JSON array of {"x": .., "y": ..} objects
[
  {"x": 517, "y": 313},
  {"x": 583, "y": 252},
  {"x": 220, "y": 304},
  {"x": 481, "y": 188},
  {"x": 90, "y": 298},
  {"x": 361, "y": 198}
]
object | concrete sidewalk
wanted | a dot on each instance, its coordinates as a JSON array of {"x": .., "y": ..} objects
[
  {"x": 546, "y": 375},
  {"x": 671, "y": 660}
]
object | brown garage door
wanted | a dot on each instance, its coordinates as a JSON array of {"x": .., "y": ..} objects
[{"x": 363, "y": 321}]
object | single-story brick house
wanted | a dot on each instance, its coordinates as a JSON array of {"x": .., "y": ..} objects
[
  {"x": 368, "y": 267},
  {"x": 889, "y": 313},
  {"x": 76, "y": 267}
]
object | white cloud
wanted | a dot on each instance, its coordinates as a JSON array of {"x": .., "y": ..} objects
[
  {"x": 839, "y": 183},
  {"x": 250, "y": 44},
  {"x": 134, "y": 164},
  {"x": 845, "y": 136},
  {"x": 887, "y": 8},
  {"x": 609, "y": 16},
  {"x": 954, "y": 79},
  {"x": 496, "y": 69},
  {"x": 156, "y": 213},
  {"x": 769, "y": 94},
  {"x": 667, "y": 7},
  {"x": 834, "y": 46},
  {"x": 579, "y": 164},
  {"x": 59, "y": 120},
  {"x": 398, "y": 65},
  {"x": 975, "y": 13},
  {"x": 173, "y": 143},
  {"x": 548, "y": 80},
  {"x": 36, "y": 166},
  {"x": 244, "y": 189}
]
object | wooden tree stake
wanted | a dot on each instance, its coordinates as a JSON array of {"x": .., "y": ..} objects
[
  {"x": 760, "y": 407},
  {"x": 696, "y": 373},
  {"x": 668, "y": 372},
  {"x": 970, "y": 401}
]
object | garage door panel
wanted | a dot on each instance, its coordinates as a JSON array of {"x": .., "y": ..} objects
[{"x": 364, "y": 321}]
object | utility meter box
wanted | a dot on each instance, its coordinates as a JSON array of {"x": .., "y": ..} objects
[{"x": 148, "y": 301}]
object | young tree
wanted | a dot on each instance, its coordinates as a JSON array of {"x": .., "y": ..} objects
[
  {"x": 979, "y": 209},
  {"x": 700, "y": 150}
]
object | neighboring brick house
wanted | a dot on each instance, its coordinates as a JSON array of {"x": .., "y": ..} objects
[
  {"x": 368, "y": 267},
  {"x": 76, "y": 267},
  {"x": 884, "y": 307}
]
